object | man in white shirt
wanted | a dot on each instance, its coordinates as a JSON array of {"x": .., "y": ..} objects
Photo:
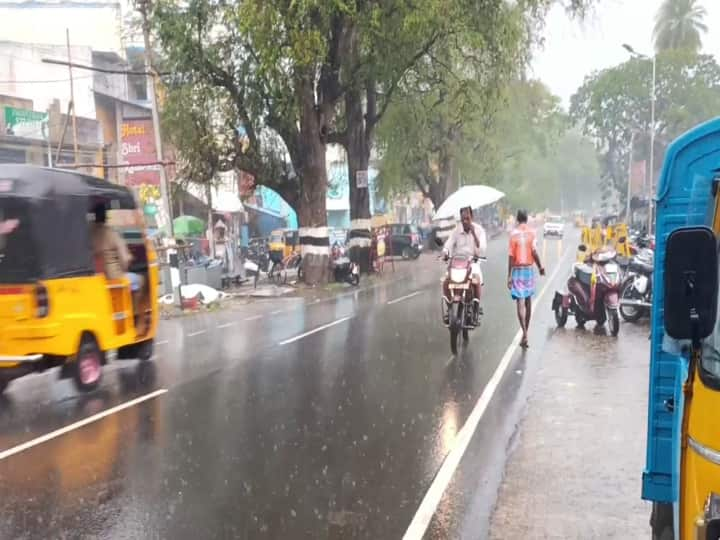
[{"x": 469, "y": 240}]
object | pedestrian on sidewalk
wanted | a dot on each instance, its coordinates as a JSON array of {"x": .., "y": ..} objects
[{"x": 521, "y": 275}]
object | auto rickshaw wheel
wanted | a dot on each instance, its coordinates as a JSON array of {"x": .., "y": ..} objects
[
  {"x": 661, "y": 521},
  {"x": 87, "y": 366},
  {"x": 3, "y": 385}
]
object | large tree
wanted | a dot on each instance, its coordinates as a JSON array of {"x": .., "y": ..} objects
[
  {"x": 274, "y": 68},
  {"x": 679, "y": 24},
  {"x": 613, "y": 104}
]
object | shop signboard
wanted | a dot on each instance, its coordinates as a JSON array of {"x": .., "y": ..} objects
[
  {"x": 26, "y": 123},
  {"x": 137, "y": 149}
]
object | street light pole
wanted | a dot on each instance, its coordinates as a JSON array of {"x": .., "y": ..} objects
[
  {"x": 651, "y": 200},
  {"x": 629, "y": 185}
]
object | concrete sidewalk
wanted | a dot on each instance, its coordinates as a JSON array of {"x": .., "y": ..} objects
[{"x": 575, "y": 464}]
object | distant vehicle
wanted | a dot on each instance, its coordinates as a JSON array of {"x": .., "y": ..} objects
[
  {"x": 554, "y": 226},
  {"x": 405, "y": 240}
]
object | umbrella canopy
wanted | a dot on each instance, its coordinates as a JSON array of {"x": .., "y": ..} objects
[
  {"x": 472, "y": 196},
  {"x": 184, "y": 226}
]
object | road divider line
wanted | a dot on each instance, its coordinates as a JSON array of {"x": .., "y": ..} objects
[
  {"x": 198, "y": 333},
  {"x": 89, "y": 420},
  {"x": 226, "y": 325},
  {"x": 421, "y": 520},
  {"x": 406, "y": 297},
  {"x": 253, "y": 318},
  {"x": 164, "y": 342},
  {"x": 315, "y": 330}
]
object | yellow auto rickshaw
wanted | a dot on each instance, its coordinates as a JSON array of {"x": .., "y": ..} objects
[
  {"x": 56, "y": 306},
  {"x": 283, "y": 243}
]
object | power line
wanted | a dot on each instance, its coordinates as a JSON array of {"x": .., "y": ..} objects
[{"x": 46, "y": 81}]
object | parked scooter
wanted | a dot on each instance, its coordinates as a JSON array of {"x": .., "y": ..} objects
[
  {"x": 592, "y": 292},
  {"x": 636, "y": 290},
  {"x": 344, "y": 269},
  {"x": 458, "y": 310}
]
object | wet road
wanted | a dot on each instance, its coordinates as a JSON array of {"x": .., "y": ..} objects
[{"x": 280, "y": 419}]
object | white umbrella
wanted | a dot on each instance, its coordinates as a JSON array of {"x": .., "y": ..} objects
[{"x": 472, "y": 196}]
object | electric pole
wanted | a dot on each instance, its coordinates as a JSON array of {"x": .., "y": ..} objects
[{"x": 142, "y": 7}]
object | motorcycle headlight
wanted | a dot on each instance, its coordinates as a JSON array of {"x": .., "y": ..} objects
[{"x": 458, "y": 275}]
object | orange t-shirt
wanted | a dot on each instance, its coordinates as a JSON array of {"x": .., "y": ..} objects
[{"x": 522, "y": 244}]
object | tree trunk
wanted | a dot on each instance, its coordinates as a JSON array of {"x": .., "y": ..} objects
[
  {"x": 210, "y": 224},
  {"x": 310, "y": 164},
  {"x": 358, "y": 154},
  {"x": 446, "y": 171}
]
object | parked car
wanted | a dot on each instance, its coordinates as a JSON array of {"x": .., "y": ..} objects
[
  {"x": 554, "y": 226},
  {"x": 405, "y": 240}
]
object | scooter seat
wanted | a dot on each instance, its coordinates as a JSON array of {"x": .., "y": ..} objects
[{"x": 583, "y": 273}]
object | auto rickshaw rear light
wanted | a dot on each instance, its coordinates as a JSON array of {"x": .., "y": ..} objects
[{"x": 42, "y": 301}]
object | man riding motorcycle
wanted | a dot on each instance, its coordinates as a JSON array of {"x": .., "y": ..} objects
[{"x": 468, "y": 239}]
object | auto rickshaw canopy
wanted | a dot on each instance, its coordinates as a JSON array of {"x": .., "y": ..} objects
[{"x": 48, "y": 211}]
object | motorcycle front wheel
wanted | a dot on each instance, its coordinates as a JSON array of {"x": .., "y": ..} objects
[
  {"x": 630, "y": 313},
  {"x": 613, "y": 321},
  {"x": 456, "y": 318}
]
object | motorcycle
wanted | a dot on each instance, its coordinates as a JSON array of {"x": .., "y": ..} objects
[
  {"x": 636, "y": 290},
  {"x": 592, "y": 292},
  {"x": 459, "y": 315},
  {"x": 344, "y": 269}
]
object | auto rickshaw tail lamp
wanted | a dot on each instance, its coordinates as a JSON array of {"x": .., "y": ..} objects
[{"x": 42, "y": 301}]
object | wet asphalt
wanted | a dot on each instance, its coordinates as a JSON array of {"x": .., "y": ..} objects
[{"x": 265, "y": 432}]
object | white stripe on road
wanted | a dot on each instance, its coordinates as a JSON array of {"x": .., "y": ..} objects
[
  {"x": 253, "y": 318},
  {"x": 89, "y": 420},
  {"x": 226, "y": 325},
  {"x": 164, "y": 342},
  {"x": 318, "y": 329},
  {"x": 404, "y": 297},
  {"x": 428, "y": 506},
  {"x": 199, "y": 332}
]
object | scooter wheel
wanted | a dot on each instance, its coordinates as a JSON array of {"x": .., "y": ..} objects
[
  {"x": 614, "y": 321},
  {"x": 355, "y": 280},
  {"x": 561, "y": 316}
]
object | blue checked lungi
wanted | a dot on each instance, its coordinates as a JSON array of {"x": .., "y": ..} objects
[{"x": 523, "y": 282}]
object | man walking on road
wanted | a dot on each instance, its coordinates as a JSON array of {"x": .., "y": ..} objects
[{"x": 521, "y": 276}]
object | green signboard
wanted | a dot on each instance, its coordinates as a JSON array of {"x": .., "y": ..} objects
[{"x": 26, "y": 123}]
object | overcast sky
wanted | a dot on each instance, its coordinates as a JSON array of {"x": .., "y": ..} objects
[{"x": 573, "y": 49}]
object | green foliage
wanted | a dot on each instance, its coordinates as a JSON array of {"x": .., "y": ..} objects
[
  {"x": 679, "y": 24},
  {"x": 521, "y": 145},
  {"x": 614, "y": 103}
]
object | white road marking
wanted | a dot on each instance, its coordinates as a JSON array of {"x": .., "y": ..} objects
[
  {"x": 253, "y": 318},
  {"x": 164, "y": 342},
  {"x": 89, "y": 420},
  {"x": 313, "y": 331},
  {"x": 199, "y": 332},
  {"x": 428, "y": 506},
  {"x": 404, "y": 297},
  {"x": 276, "y": 312},
  {"x": 226, "y": 325}
]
